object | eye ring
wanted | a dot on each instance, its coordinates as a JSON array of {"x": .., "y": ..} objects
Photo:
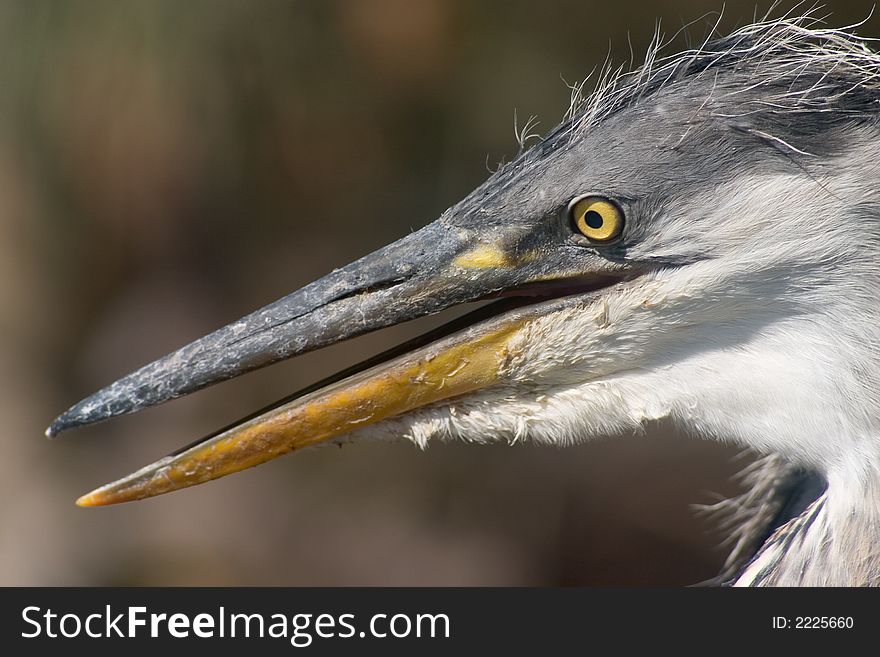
[{"x": 597, "y": 218}]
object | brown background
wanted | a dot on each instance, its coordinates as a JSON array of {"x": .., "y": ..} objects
[{"x": 166, "y": 167}]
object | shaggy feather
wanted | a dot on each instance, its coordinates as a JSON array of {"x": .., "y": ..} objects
[
  {"x": 756, "y": 212},
  {"x": 804, "y": 67}
]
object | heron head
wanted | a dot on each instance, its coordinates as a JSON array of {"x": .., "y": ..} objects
[{"x": 696, "y": 241}]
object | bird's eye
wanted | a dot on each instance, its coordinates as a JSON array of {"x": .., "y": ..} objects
[{"x": 597, "y": 218}]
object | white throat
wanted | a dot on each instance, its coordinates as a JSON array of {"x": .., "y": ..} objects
[{"x": 773, "y": 343}]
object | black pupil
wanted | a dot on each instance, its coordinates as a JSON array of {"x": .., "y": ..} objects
[{"x": 593, "y": 219}]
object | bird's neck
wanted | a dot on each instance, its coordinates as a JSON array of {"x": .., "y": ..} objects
[{"x": 834, "y": 541}]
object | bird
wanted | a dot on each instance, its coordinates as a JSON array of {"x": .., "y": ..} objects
[{"x": 696, "y": 241}]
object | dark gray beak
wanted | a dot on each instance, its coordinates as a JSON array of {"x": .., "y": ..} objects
[{"x": 423, "y": 273}]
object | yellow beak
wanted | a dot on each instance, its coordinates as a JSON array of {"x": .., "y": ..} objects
[{"x": 463, "y": 363}]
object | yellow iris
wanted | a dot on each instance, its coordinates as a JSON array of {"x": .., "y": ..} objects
[{"x": 597, "y": 218}]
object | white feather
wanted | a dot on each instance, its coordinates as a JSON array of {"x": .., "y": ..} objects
[{"x": 772, "y": 343}]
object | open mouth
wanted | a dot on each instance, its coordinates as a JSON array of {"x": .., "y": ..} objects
[
  {"x": 462, "y": 356},
  {"x": 438, "y": 267}
]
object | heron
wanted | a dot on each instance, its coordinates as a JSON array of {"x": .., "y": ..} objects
[{"x": 696, "y": 241}]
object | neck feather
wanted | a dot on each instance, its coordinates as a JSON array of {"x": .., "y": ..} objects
[{"x": 833, "y": 541}]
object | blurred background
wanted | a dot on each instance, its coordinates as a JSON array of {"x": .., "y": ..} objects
[{"x": 166, "y": 167}]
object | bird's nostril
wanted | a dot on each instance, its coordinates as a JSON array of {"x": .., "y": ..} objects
[{"x": 372, "y": 287}]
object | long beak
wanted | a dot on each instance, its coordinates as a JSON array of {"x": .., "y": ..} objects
[
  {"x": 423, "y": 273},
  {"x": 459, "y": 364}
]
